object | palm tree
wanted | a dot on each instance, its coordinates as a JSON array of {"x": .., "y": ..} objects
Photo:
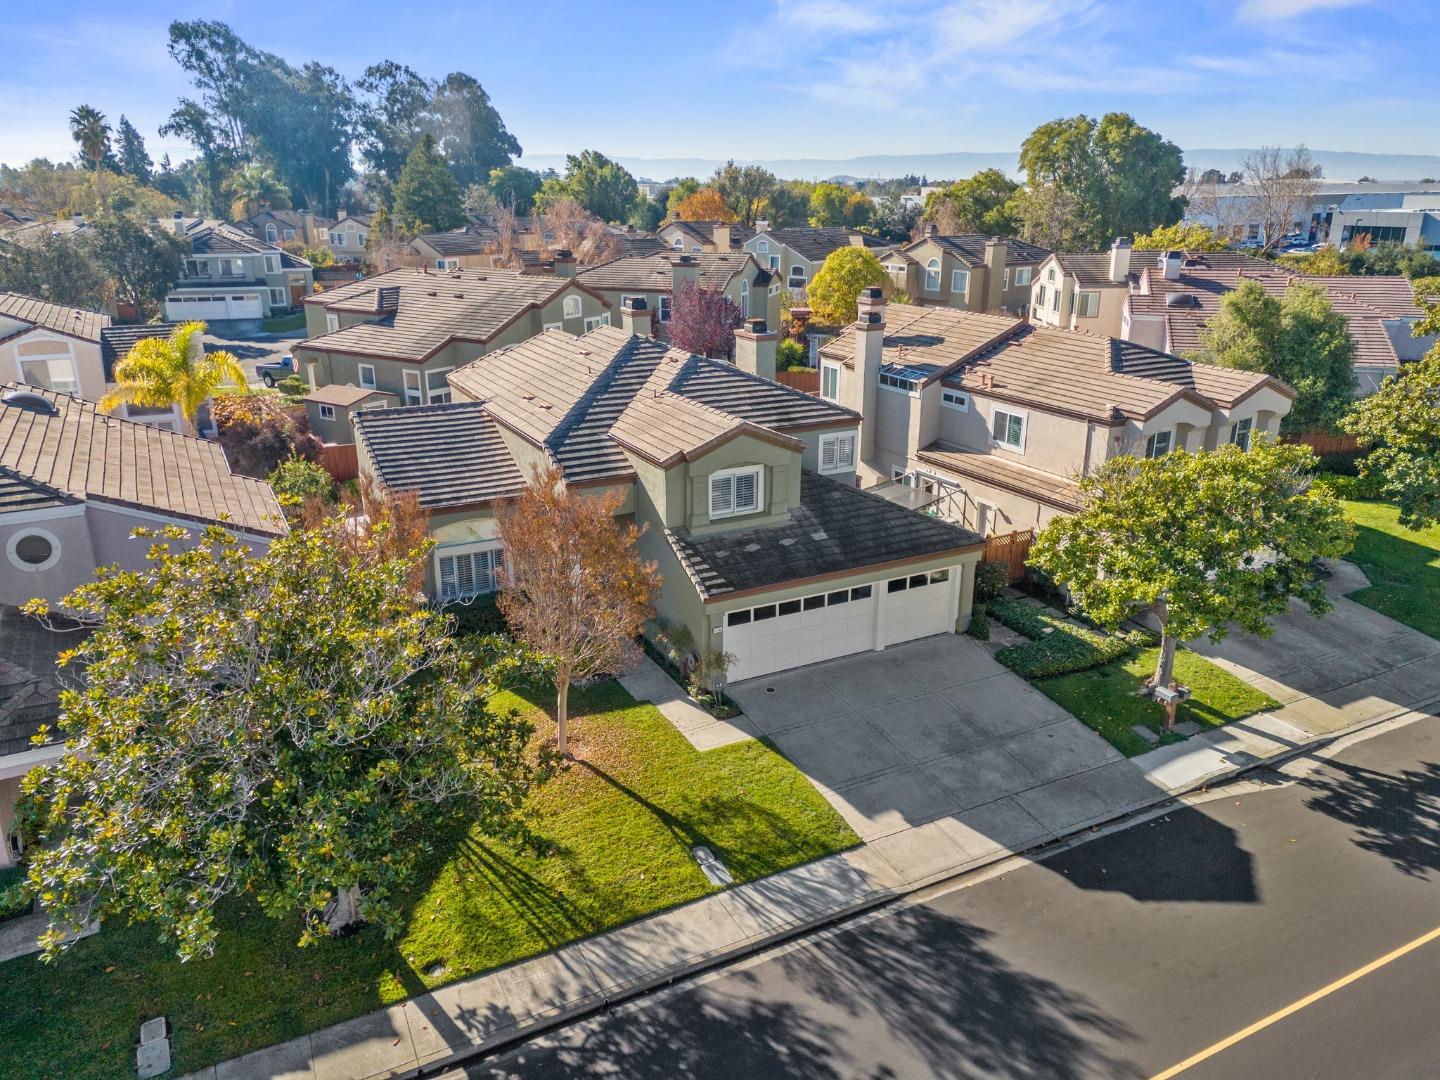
[
  {"x": 89, "y": 128},
  {"x": 255, "y": 185},
  {"x": 163, "y": 372}
]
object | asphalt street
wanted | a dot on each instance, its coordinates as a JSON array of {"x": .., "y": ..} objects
[{"x": 1192, "y": 938}]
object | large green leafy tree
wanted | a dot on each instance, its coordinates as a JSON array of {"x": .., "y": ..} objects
[
  {"x": 392, "y": 116},
  {"x": 289, "y": 727},
  {"x": 977, "y": 204},
  {"x": 678, "y": 193},
  {"x": 836, "y": 205},
  {"x": 514, "y": 187},
  {"x": 1298, "y": 338},
  {"x": 193, "y": 123},
  {"x": 744, "y": 189},
  {"x": 1401, "y": 425},
  {"x": 53, "y": 268},
  {"x": 788, "y": 206},
  {"x": 471, "y": 136},
  {"x": 600, "y": 186},
  {"x": 141, "y": 262},
  {"x": 1109, "y": 177},
  {"x": 427, "y": 198},
  {"x": 1204, "y": 541},
  {"x": 835, "y": 291},
  {"x": 131, "y": 154}
]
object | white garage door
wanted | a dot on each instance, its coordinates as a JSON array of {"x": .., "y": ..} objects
[
  {"x": 773, "y": 637},
  {"x": 919, "y": 605},
  {"x": 239, "y": 305}
]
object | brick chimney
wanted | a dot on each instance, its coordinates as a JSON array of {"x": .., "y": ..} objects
[
  {"x": 864, "y": 382},
  {"x": 755, "y": 349},
  {"x": 635, "y": 316},
  {"x": 563, "y": 263},
  {"x": 683, "y": 268},
  {"x": 1120, "y": 259},
  {"x": 996, "y": 250}
]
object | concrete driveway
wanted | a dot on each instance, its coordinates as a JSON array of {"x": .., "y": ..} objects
[
  {"x": 936, "y": 729},
  {"x": 253, "y": 351}
]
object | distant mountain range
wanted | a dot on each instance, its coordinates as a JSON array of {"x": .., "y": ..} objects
[{"x": 1338, "y": 165}]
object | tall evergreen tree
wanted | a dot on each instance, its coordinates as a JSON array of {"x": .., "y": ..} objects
[
  {"x": 130, "y": 152},
  {"x": 427, "y": 198}
]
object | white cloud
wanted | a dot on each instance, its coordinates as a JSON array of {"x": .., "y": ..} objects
[{"x": 1280, "y": 10}]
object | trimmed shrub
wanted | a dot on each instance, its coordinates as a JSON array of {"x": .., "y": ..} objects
[
  {"x": 791, "y": 353},
  {"x": 1022, "y": 618},
  {"x": 1354, "y": 488},
  {"x": 15, "y": 898},
  {"x": 1065, "y": 648},
  {"x": 480, "y": 617},
  {"x": 991, "y": 579},
  {"x": 979, "y": 627}
]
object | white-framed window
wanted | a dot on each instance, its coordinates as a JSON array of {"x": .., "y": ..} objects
[
  {"x": 744, "y": 299},
  {"x": 898, "y": 381},
  {"x": 736, "y": 491},
  {"x": 1005, "y": 280},
  {"x": 837, "y": 453},
  {"x": 411, "y": 378},
  {"x": 763, "y": 246},
  {"x": 895, "y": 268},
  {"x": 327, "y": 412},
  {"x": 774, "y": 262},
  {"x": 695, "y": 248},
  {"x": 678, "y": 244},
  {"x": 570, "y": 307},
  {"x": 1007, "y": 429},
  {"x": 437, "y": 389},
  {"x": 629, "y": 296},
  {"x": 1240, "y": 432},
  {"x": 366, "y": 374},
  {"x": 663, "y": 309},
  {"x": 272, "y": 264},
  {"x": 447, "y": 264},
  {"x": 1040, "y": 297},
  {"x": 277, "y": 298},
  {"x": 289, "y": 234},
  {"x": 1055, "y": 301},
  {"x": 33, "y": 550},
  {"x": 797, "y": 277},
  {"x": 830, "y": 382},
  {"x": 954, "y": 399},
  {"x": 338, "y": 239},
  {"x": 50, "y": 373},
  {"x": 332, "y": 322},
  {"x": 1022, "y": 275},
  {"x": 1087, "y": 304},
  {"x": 1050, "y": 274},
  {"x": 270, "y": 234},
  {"x": 932, "y": 276},
  {"x": 1158, "y": 445},
  {"x": 959, "y": 281},
  {"x": 594, "y": 322},
  {"x": 463, "y": 574}
]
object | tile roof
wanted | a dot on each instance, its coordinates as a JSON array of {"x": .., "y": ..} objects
[
  {"x": 704, "y": 231},
  {"x": 294, "y": 219},
  {"x": 450, "y": 455},
  {"x": 813, "y": 243},
  {"x": 471, "y": 240},
  {"x": 991, "y": 469},
  {"x": 432, "y": 309},
  {"x": 117, "y": 341},
  {"x": 1093, "y": 267},
  {"x": 221, "y": 238},
  {"x": 344, "y": 395},
  {"x": 80, "y": 454},
  {"x": 567, "y": 394},
  {"x": 933, "y": 339},
  {"x": 837, "y": 529},
  {"x": 969, "y": 248},
  {"x": 75, "y": 322},
  {"x": 654, "y": 273}
]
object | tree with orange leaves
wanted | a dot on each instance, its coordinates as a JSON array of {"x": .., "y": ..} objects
[
  {"x": 707, "y": 204},
  {"x": 574, "y": 588}
]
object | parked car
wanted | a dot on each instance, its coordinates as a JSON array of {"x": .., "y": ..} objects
[
  {"x": 270, "y": 374},
  {"x": 1250, "y": 245}
]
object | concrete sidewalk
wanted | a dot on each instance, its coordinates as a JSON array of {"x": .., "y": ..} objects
[{"x": 1364, "y": 668}]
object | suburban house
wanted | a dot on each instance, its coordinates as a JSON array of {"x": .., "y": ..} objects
[
  {"x": 74, "y": 484},
  {"x": 230, "y": 276},
  {"x": 471, "y": 246},
  {"x": 969, "y": 271},
  {"x": 698, "y": 237},
  {"x": 990, "y": 419},
  {"x": 795, "y": 255},
  {"x": 745, "y": 489},
  {"x": 72, "y": 351},
  {"x": 349, "y": 235},
  {"x": 1176, "y": 294},
  {"x": 277, "y": 227},
  {"x": 331, "y": 409},
  {"x": 654, "y": 278},
  {"x": 402, "y": 332},
  {"x": 1086, "y": 290}
]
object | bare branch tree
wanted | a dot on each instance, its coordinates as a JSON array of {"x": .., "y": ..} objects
[{"x": 1283, "y": 187}]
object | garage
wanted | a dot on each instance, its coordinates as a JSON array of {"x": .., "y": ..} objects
[
  {"x": 840, "y": 622},
  {"x": 182, "y": 307}
]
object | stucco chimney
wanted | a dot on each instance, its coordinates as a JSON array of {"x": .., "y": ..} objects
[
  {"x": 755, "y": 349},
  {"x": 683, "y": 268},
  {"x": 177, "y": 223},
  {"x": 635, "y": 316},
  {"x": 1120, "y": 259},
  {"x": 79, "y": 219},
  {"x": 996, "y": 251},
  {"x": 1170, "y": 264},
  {"x": 857, "y": 239},
  {"x": 762, "y": 225},
  {"x": 931, "y": 229},
  {"x": 341, "y": 214},
  {"x": 869, "y": 351},
  {"x": 563, "y": 263},
  {"x": 723, "y": 236}
]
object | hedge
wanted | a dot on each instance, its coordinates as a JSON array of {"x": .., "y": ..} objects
[{"x": 1064, "y": 649}]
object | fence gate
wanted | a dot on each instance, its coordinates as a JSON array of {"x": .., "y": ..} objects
[{"x": 1011, "y": 549}]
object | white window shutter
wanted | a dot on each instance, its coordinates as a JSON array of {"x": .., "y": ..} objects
[
  {"x": 721, "y": 495},
  {"x": 828, "y": 451},
  {"x": 747, "y": 492}
]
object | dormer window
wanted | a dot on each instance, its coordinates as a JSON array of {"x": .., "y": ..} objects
[
  {"x": 270, "y": 234},
  {"x": 932, "y": 276},
  {"x": 837, "y": 453},
  {"x": 1240, "y": 432},
  {"x": 736, "y": 491},
  {"x": 1158, "y": 445}
]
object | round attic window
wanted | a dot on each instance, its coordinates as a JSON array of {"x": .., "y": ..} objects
[{"x": 33, "y": 550}]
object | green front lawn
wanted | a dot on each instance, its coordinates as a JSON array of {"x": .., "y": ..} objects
[
  {"x": 1403, "y": 566},
  {"x": 1104, "y": 698},
  {"x": 620, "y": 823},
  {"x": 283, "y": 324}
]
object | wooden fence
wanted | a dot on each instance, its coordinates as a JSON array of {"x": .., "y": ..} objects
[
  {"x": 1322, "y": 442},
  {"x": 808, "y": 381},
  {"x": 341, "y": 461},
  {"x": 1011, "y": 549}
]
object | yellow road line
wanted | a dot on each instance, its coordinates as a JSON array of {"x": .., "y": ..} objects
[{"x": 1294, "y": 1007}]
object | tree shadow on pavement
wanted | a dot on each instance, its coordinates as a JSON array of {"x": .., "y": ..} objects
[
  {"x": 912, "y": 993},
  {"x": 1396, "y": 816}
]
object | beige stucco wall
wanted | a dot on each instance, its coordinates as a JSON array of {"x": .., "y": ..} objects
[{"x": 84, "y": 357}]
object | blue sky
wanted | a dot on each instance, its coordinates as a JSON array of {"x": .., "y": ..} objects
[{"x": 789, "y": 78}]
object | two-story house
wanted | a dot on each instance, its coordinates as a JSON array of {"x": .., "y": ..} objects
[
  {"x": 403, "y": 332},
  {"x": 1084, "y": 291},
  {"x": 655, "y": 278},
  {"x": 745, "y": 488},
  {"x": 230, "y": 276},
  {"x": 278, "y": 227},
  {"x": 993, "y": 419},
  {"x": 704, "y": 237},
  {"x": 470, "y": 247},
  {"x": 970, "y": 271},
  {"x": 795, "y": 255}
]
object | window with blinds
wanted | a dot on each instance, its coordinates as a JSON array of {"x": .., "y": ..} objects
[
  {"x": 470, "y": 573},
  {"x": 735, "y": 491},
  {"x": 837, "y": 453}
]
